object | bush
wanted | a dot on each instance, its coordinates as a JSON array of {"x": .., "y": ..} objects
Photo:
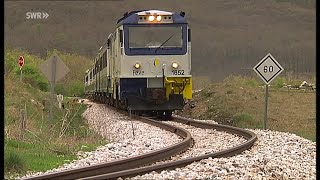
[
  {"x": 77, "y": 88},
  {"x": 33, "y": 76},
  {"x": 245, "y": 120},
  {"x": 60, "y": 89},
  {"x": 13, "y": 162},
  {"x": 278, "y": 82}
]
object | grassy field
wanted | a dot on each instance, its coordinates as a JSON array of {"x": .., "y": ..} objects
[
  {"x": 40, "y": 145},
  {"x": 240, "y": 101}
]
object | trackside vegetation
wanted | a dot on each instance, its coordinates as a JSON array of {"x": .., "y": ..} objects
[
  {"x": 240, "y": 101},
  {"x": 41, "y": 145}
]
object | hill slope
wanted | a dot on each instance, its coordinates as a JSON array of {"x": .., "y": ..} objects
[
  {"x": 38, "y": 146},
  {"x": 227, "y": 36},
  {"x": 240, "y": 101}
]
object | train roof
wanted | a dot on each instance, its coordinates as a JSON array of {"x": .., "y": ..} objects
[{"x": 132, "y": 17}]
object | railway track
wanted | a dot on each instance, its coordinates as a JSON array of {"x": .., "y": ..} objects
[{"x": 138, "y": 165}]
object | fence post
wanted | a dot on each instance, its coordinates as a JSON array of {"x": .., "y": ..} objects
[
  {"x": 22, "y": 123},
  {"x": 25, "y": 116}
]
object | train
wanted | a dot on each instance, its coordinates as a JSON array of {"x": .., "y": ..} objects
[{"x": 144, "y": 66}]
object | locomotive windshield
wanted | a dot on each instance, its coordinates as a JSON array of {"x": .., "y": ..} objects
[
  {"x": 154, "y": 37},
  {"x": 160, "y": 39}
]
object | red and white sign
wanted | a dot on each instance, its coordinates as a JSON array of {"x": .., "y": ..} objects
[{"x": 21, "y": 61}]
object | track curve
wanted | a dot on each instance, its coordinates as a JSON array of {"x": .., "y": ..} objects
[
  {"x": 250, "y": 136},
  {"x": 138, "y": 165},
  {"x": 128, "y": 163}
]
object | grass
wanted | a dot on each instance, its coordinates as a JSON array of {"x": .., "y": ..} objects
[
  {"x": 245, "y": 120},
  {"x": 40, "y": 147},
  {"x": 36, "y": 156},
  {"x": 240, "y": 101},
  {"x": 13, "y": 161}
]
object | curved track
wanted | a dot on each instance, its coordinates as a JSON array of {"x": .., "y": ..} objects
[
  {"x": 133, "y": 166},
  {"x": 128, "y": 163},
  {"x": 250, "y": 136}
]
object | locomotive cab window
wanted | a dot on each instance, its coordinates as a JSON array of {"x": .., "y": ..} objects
[{"x": 155, "y": 39}]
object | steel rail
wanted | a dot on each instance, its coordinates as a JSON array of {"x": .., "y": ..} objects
[
  {"x": 128, "y": 163},
  {"x": 248, "y": 135}
]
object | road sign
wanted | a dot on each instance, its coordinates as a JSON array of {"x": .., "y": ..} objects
[
  {"x": 268, "y": 68},
  {"x": 54, "y": 68},
  {"x": 21, "y": 61}
]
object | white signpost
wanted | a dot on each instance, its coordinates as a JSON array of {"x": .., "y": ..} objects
[
  {"x": 268, "y": 69},
  {"x": 60, "y": 100}
]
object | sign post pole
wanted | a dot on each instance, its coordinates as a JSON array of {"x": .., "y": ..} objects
[
  {"x": 268, "y": 69},
  {"x": 266, "y": 108},
  {"x": 53, "y": 71},
  {"x": 21, "y": 74},
  {"x": 21, "y": 63}
]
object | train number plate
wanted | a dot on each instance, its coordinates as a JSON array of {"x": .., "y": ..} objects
[
  {"x": 178, "y": 72},
  {"x": 137, "y": 72}
]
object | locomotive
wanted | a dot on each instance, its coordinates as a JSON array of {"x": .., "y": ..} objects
[{"x": 145, "y": 64}]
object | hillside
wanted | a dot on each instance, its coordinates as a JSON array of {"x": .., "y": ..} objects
[
  {"x": 26, "y": 147},
  {"x": 228, "y": 37},
  {"x": 240, "y": 101}
]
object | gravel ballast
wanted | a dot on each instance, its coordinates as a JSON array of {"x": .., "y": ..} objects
[{"x": 275, "y": 155}]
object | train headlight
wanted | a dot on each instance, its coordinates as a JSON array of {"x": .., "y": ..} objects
[
  {"x": 159, "y": 18},
  {"x": 175, "y": 65},
  {"x": 137, "y": 65},
  {"x": 151, "y": 18}
]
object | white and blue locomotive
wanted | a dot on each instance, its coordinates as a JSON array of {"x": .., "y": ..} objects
[{"x": 145, "y": 64}]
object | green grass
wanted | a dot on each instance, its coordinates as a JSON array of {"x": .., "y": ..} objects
[
  {"x": 240, "y": 101},
  {"x": 307, "y": 134},
  {"x": 42, "y": 147},
  {"x": 245, "y": 120},
  {"x": 13, "y": 162},
  {"x": 35, "y": 156}
]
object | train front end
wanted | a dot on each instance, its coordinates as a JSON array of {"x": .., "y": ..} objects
[{"x": 156, "y": 63}]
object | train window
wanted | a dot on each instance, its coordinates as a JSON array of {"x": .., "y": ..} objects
[
  {"x": 102, "y": 59},
  {"x": 108, "y": 43},
  {"x": 121, "y": 38},
  {"x": 189, "y": 35},
  {"x": 100, "y": 64},
  {"x": 86, "y": 79},
  {"x": 105, "y": 59}
]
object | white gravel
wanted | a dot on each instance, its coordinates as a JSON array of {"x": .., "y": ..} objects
[
  {"x": 275, "y": 155},
  {"x": 126, "y": 138},
  {"x": 205, "y": 141}
]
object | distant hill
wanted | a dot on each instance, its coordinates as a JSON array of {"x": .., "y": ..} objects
[{"x": 227, "y": 36}]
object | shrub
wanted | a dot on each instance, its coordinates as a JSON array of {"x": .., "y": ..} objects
[
  {"x": 33, "y": 76},
  {"x": 278, "y": 82},
  {"x": 77, "y": 88},
  {"x": 245, "y": 120},
  {"x": 13, "y": 162}
]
